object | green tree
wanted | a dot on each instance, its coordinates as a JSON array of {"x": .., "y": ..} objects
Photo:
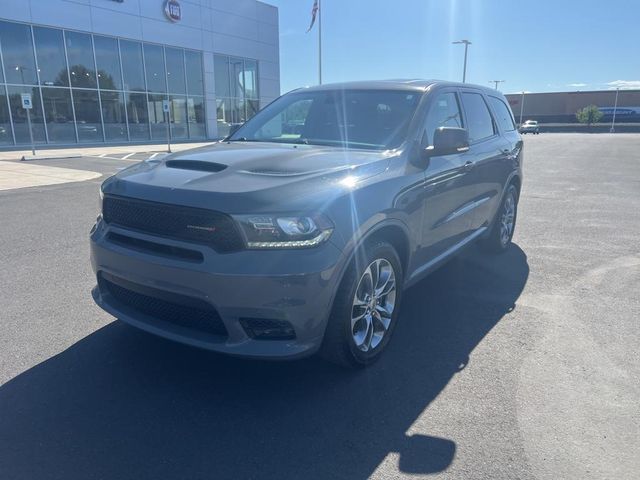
[{"x": 589, "y": 115}]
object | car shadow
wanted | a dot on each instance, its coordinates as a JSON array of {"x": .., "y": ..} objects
[{"x": 124, "y": 404}]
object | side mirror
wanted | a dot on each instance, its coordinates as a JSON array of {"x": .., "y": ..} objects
[{"x": 448, "y": 140}]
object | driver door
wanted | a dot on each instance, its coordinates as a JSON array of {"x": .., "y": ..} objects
[{"x": 446, "y": 191}]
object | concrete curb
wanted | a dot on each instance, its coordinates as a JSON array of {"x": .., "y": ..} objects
[{"x": 27, "y": 158}]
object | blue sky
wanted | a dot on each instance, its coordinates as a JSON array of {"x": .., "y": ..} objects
[{"x": 535, "y": 45}]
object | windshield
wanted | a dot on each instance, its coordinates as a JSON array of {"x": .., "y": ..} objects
[{"x": 371, "y": 119}]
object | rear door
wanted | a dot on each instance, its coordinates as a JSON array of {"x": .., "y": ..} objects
[{"x": 485, "y": 159}]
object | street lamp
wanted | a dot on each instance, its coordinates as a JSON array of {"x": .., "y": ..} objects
[
  {"x": 466, "y": 47},
  {"x": 497, "y": 82},
  {"x": 521, "y": 106},
  {"x": 615, "y": 108}
]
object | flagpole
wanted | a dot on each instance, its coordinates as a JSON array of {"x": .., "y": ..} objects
[{"x": 320, "y": 40}]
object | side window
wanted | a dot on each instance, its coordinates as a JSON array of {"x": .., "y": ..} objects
[
  {"x": 480, "y": 122},
  {"x": 503, "y": 114},
  {"x": 444, "y": 112}
]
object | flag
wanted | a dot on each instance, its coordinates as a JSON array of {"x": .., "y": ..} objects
[{"x": 314, "y": 13}]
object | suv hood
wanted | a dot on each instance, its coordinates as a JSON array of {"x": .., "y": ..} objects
[{"x": 246, "y": 174}]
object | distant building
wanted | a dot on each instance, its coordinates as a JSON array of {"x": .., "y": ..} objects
[
  {"x": 106, "y": 71},
  {"x": 561, "y": 107}
]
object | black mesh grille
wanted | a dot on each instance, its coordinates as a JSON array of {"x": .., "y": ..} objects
[
  {"x": 173, "y": 221},
  {"x": 182, "y": 311}
]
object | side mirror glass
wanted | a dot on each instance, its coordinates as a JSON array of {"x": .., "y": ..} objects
[{"x": 448, "y": 141}]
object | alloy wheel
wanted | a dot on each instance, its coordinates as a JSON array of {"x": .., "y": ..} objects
[{"x": 373, "y": 305}]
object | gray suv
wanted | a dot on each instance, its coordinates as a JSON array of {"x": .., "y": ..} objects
[{"x": 299, "y": 232}]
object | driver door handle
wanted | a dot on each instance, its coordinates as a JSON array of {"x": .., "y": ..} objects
[{"x": 468, "y": 166}]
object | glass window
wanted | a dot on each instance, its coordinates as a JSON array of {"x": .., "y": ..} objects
[
  {"x": 157, "y": 117},
  {"x": 108, "y": 62},
  {"x": 251, "y": 78},
  {"x": 132, "y": 65},
  {"x": 175, "y": 70},
  {"x": 6, "y": 136},
  {"x": 196, "y": 117},
  {"x": 252, "y": 108},
  {"x": 443, "y": 112},
  {"x": 59, "y": 115},
  {"x": 503, "y": 114},
  {"x": 115, "y": 126},
  {"x": 195, "y": 77},
  {"x": 223, "y": 113},
  {"x": 236, "y": 67},
  {"x": 19, "y": 115},
  {"x": 178, "y": 112},
  {"x": 50, "y": 54},
  {"x": 17, "y": 53},
  {"x": 479, "y": 120},
  {"x": 138, "y": 116},
  {"x": 81, "y": 65},
  {"x": 373, "y": 119},
  {"x": 88, "y": 120},
  {"x": 221, "y": 76},
  {"x": 154, "y": 65}
]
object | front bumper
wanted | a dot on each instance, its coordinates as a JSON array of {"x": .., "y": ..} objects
[{"x": 294, "y": 286}]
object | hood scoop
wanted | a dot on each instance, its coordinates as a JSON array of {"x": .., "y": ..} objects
[{"x": 195, "y": 165}]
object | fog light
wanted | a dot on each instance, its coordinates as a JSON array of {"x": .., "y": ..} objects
[{"x": 268, "y": 329}]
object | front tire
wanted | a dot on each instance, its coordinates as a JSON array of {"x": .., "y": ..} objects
[
  {"x": 365, "y": 310},
  {"x": 499, "y": 239}
]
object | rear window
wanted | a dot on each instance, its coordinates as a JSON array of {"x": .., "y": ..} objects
[
  {"x": 479, "y": 120},
  {"x": 503, "y": 114}
]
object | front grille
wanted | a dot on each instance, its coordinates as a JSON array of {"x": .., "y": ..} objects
[
  {"x": 198, "y": 225},
  {"x": 187, "y": 312}
]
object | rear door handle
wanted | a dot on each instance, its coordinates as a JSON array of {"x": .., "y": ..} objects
[{"x": 469, "y": 166}]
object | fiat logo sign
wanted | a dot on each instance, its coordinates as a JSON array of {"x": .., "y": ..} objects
[{"x": 172, "y": 10}]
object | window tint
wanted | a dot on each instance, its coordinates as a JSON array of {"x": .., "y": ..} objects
[
  {"x": 108, "y": 61},
  {"x": 81, "y": 65},
  {"x": 115, "y": 126},
  {"x": 375, "y": 119},
  {"x": 503, "y": 114},
  {"x": 17, "y": 53},
  {"x": 479, "y": 120},
  {"x": 221, "y": 74},
  {"x": 19, "y": 115},
  {"x": 87, "y": 110},
  {"x": 58, "y": 114},
  {"x": 138, "y": 116},
  {"x": 6, "y": 136},
  {"x": 154, "y": 64},
  {"x": 50, "y": 53},
  {"x": 444, "y": 112},
  {"x": 132, "y": 65},
  {"x": 194, "y": 72},
  {"x": 175, "y": 70},
  {"x": 196, "y": 117}
]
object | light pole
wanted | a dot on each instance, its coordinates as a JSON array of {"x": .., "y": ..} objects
[
  {"x": 521, "y": 106},
  {"x": 497, "y": 82},
  {"x": 615, "y": 108},
  {"x": 466, "y": 48}
]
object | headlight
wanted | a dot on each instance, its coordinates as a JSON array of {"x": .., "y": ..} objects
[{"x": 271, "y": 232}]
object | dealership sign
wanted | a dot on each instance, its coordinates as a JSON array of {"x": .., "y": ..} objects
[{"x": 172, "y": 10}]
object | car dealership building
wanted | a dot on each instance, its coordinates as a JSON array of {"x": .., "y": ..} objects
[
  {"x": 561, "y": 107},
  {"x": 107, "y": 71}
]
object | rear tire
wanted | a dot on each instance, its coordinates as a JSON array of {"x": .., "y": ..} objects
[
  {"x": 365, "y": 310},
  {"x": 499, "y": 239}
]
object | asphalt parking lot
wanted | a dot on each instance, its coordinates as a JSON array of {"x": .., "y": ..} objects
[{"x": 524, "y": 365}]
